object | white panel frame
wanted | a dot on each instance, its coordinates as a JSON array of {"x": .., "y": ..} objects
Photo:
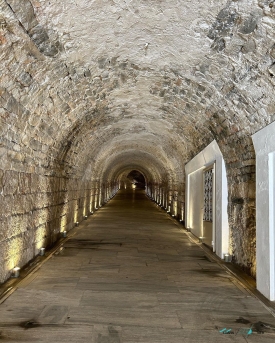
[
  {"x": 210, "y": 155},
  {"x": 264, "y": 143}
]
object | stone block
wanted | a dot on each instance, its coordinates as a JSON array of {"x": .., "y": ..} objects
[
  {"x": 17, "y": 225},
  {"x": 42, "y": 200},
  {"x": 1, "y": 179},
  {"x": 41, "y": 39},
  {"x": 24, "y": 12},
  {"x": 25, "y": 79},
  {"x": 15, "y": 157},
  {"x": 249, "y": 46},
  {"x": 39, "y": 35},
  {"x": 24, "y": 185},
  {"x": 10, "y": 182},
  {"x": 40, "y": 231},
  {"x": 4, "y": 222}
]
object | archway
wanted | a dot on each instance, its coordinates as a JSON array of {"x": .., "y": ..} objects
[{"x": 137, "y": 179}]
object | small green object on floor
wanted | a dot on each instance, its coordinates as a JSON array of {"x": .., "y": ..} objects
[{"x": 244, "y": 331}]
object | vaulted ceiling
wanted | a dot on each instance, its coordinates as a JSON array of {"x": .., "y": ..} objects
[{"x": 99, "y": 87}]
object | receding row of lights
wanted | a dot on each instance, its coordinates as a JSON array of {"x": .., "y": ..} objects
[
  {"x": 16, "y": 270},
  {"x": 227, "y": 257}
]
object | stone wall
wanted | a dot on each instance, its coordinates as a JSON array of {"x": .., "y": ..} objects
[{"x": 34, "y": 210}]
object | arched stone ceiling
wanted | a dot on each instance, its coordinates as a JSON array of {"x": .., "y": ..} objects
[
  {"x": 151, "y": 34},
  {"x": 162, "y": 146},
  {"x": 132, "y": 159},
  {"x": 86, "y": 78}
]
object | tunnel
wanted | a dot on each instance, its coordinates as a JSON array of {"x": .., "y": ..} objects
[{"x": 171, "y": 100}]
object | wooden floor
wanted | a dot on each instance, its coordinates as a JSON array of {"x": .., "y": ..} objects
[{"x": 130, "y": 274}]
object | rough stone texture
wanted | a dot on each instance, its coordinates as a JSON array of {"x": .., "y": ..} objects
[
  {"x": 34, "y": 209},
  {"x": 92, "y": 90}
]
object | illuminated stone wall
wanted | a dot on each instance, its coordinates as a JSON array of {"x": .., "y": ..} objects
[{"x": 34, "y": 210}]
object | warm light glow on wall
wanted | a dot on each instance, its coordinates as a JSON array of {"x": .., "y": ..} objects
[
  {"x": 91, "y": 203},
  {"x": 84, "y": 207},
  {"x": 40, "y": 235},
  {"x": 75, "y": 211},
  {"x": 63, "y": 223},
  {"x": 15, "y": 250},
  {"x": 9, "y": 264},
  {"x": 100, "y": 197},
  {"x": 175, "y": 208}
]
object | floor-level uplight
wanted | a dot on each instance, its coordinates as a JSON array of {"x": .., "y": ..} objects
[
  {"x": 201, "y": 239},
  {"x": 42, "y": 252},
  {"x": 64, "y": 234},
  {"x": 16, "y": 272},
  {"x": 85, "y": 217},
  {"x": 227, "y": 258}
]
